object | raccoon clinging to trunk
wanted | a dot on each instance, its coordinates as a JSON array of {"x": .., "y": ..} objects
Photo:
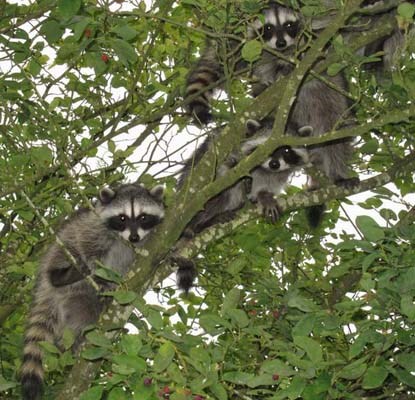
[{"x": 63, "y": 297}]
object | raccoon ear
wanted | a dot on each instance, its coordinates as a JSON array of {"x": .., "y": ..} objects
[
  {"x": 306, "y": 130},
  {"x": 157, "y": 192},
  {"x": 252, "y": 126},
  {"x": 106, "y": 195}
]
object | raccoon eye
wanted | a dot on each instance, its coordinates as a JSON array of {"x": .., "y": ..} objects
[
  {"x": 142, "y": 217},
  {"x": 122, "y": 217},
  {"x": 291, "y": 27},
  {"x": 267, "y": 31},
  {"x": 147, "y": 221}
]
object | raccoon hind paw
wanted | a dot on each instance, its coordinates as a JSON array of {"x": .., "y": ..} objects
[
  {"x": 315, "y": 215},
  {"x": 348, "y": 183},
  {"x": 186, "y": 273}
]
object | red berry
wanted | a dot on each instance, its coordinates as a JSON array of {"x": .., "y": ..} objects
[
  {"x": 166, "y": 390},
  {"x": 148, "y": 381},
  {"x": 252, "y": 313},
  {"x": 198, "y": 397},
  {"x": 276, "y": 314},
  {"x": 105, "y": 58},
  {"x": 87, "y": 33},
  {"x": 275, "y": 377}
]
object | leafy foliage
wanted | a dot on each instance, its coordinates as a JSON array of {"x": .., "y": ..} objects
[{"x": 90, "y": 94}]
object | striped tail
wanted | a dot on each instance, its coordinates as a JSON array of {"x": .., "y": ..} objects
[
  {"x": 41, "y": 327},
  {"x": 206, "y": 73}
]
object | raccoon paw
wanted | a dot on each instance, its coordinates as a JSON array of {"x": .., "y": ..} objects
[
  {"x": 269, "y": 206},
  {"x": 348, "y": 183},
  {"x": 272, "y": 212},
  {"x": 315, "y": 215},
  {"x": 188, "y": 233}
]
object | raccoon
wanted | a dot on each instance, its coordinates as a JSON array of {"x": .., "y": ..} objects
[
  {"x": 280, "y": 32},
  {"x": 270, "y": 178},
  {"x": 262, "y": 183},
  {"x": 317, "y": 105},
  {"x": 63, "y": 298}
]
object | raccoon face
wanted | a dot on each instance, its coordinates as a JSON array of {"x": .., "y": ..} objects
[
  {"x": 131, "y": 210},
  {"x": 285, "y": 158},
  {"x": 280, "y": 28}
]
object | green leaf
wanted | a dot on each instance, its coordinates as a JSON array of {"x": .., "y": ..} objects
[
  {"x": 374, "y": 377},
  {"x": 69, "y": 8},
  {"x": 407, "y": 11},
  {"x": 295, "y": 300},
  {"x": 277, "y": 367},
  {"x": 94, "y": 353},
  {"x": 212, "y": 323},
  {"x": 164, "y": 357},
  {"x": 251, "y": 51},
  {"x": 6, "y": 385},
  {"x": 128, "y": 364},
  {"x": 154, "y": 319},
  {"x": 293, "y": 391},
  {"x": 49, "y": 347},
  {"x": 108, "y": 275},
  {"x": 304, "y": 326},
  {"x": 125, "y": 32},
  {"x": 52, "y": 30},
  {"x": 219, "y": 391},
  {"x": 68, "y": 338},
  {"x": 131, "y": 344},
  {"x": 124, "y": 297},
  {"x": 94, "y": 393},
  {"x": 41, "y": 155},
  {"x": 98, "y": 339},
  {"x": 231, "y": 300},
  {"x": 239, "y": 317},
  {"x": 406, "y": 360},
  {"x": 370, "y": 228},
  {"x": 408, "y": 306},
  {"x": 143, "y": 392},
  {"x": 354, "y": 370},
  {"x": 335, "y": 68},
  {"x": 240, "y": 378},
  {"x": 124, "y": 50},
  {"x": 311, "y": 347},
  {"x": 118, "y": 394}
]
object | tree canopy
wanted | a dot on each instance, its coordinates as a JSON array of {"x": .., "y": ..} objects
[{"x": 91, "y": 94}]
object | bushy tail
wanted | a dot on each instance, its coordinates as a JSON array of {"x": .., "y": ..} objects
[
  {"x": 41, "y": 327},
  {"x": 315, "y": 215},
  {"x": 206, "y": 73}
]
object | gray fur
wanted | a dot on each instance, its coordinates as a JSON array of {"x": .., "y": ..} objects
[
  {"x": 268, "y": 182},
  {"x": 220, "y": 208},
  {"x": 317, "y": 105},
  {"x": 63, "y": 298}
]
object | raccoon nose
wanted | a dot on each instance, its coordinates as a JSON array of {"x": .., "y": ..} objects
[
  {"x": 274, "y": 164},
  {"x": 281, "y": 44},
  {"x": 134, "y": 237}
]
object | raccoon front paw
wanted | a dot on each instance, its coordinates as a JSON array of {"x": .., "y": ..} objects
[
  {"x": 188, "y": 233},
  {"x": 269, "y": 206},
  {"x": 271, "y": 212},
  {"x": 348, "y": 183}
]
